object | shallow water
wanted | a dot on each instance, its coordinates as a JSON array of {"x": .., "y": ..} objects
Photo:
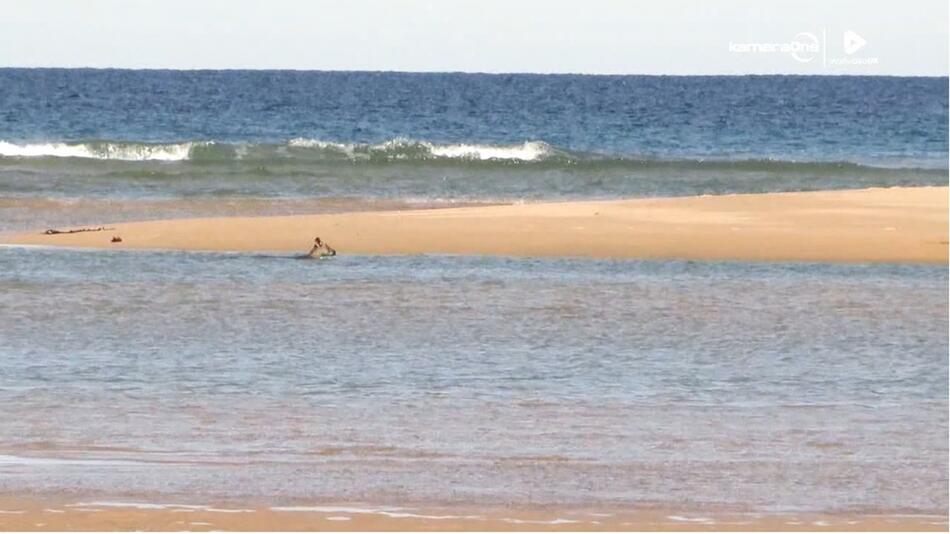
[{"x": 474, "y": 379}]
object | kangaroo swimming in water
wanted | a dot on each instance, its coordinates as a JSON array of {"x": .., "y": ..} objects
[{"x": 319, "y": 250}]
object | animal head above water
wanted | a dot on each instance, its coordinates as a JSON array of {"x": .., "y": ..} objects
[{"x": 321, "y": 249}]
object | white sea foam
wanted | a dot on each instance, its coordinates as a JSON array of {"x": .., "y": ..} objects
[
  {"x": 114, "y": 504},
  {"x": 400, "y": 147},
  {"x": 388, "y": 512},
  {"x": 159, "y": 506},
  {"x": 302, "y": 142},
  {"x": 110, "y": 151},
  {"x": 333, "y": 509},
  {"x": 396, "y": 149},
  {"x": 529, "y": 151},
  {"x": 556, "y": 521},
  {"x": 690, "y": 519},
  {"x": 347, "y": 149}
]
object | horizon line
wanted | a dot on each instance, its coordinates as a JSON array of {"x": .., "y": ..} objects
[{"x": 480, "y": 73}]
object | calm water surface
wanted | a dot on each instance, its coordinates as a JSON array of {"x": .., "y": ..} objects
[{"x": 455, "y": 379}]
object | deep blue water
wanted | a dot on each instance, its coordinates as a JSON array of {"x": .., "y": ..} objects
[
  {"x": 80, "y": 146},
  {"x": 799, "y": 118}
]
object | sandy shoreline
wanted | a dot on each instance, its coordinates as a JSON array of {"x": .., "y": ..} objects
[
  {"x": 33, "y": 514},
  {"x": 868, "y": 225}
]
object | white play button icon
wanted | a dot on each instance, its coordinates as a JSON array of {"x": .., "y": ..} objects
[{"x": 853, "y": 42}]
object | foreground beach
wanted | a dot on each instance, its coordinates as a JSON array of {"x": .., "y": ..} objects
[
  {"x": 55, "y": 515},
  {"x": 520, "y": 393},
  {"x": 868, "y": 225}
]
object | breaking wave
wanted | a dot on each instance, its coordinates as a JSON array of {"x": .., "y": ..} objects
[
  {"x": 407, "y": 149},
  {"x": 396, "y": 149},
  {"x": 307, "y": 152},
  {"x": 100, "y": 150}
]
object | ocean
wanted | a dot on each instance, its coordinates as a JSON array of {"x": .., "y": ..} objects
[
  {"x": 77, "y": 145},
  {"x": 200, "y": 377}
]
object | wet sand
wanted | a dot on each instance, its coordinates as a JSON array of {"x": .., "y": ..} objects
[
  {"x": 38, "y": 515},
  {"x": 869, "y": 225}
]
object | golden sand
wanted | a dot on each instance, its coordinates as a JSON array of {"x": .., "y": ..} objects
[
  {"x": 35, "y": 514},
  {"x": 898, "y": 224},
  {"x": 873, "y": 225}
]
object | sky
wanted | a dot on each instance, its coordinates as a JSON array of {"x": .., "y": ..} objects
[{"x": 908, "y": 37}]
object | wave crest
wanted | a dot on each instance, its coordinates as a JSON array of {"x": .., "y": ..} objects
[
  {"x": 100, "y": 150},
  {"x": 392, "y": 150},
  {"x": 408, "y": 149},
  {"x": 306, "y": 152}
]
